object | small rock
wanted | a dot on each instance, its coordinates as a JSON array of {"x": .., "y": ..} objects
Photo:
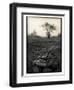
[
  {"x": 35, "y": 69},
  {"x": 47, "y": 70}
]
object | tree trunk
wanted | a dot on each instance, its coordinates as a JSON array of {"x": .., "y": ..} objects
[{"x": 48, "y": 34}]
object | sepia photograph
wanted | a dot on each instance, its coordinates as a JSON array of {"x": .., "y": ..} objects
[{"x": 44, "y": 44}]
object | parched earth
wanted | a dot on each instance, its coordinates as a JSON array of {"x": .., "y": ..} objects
[{"x": 44, "y": 55}]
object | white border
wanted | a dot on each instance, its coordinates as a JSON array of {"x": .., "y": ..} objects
[
  {"x": 24, "y": 59},
  {"x": 65, "y": 50}
]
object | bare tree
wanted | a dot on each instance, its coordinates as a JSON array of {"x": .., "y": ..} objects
[
  {"x": 49, "y": 28},
  {"x": 34, "y": 33}
]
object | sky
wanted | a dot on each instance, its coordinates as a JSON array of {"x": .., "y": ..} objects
[{"x": 35, "y": 24}]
